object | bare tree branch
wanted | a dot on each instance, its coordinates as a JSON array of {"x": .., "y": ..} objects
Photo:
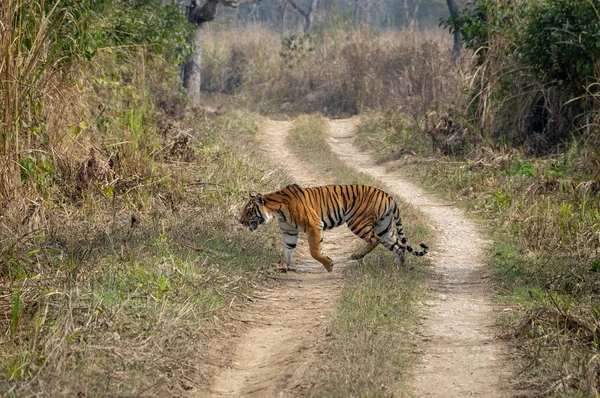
[
  {"x": 300, "y": 10},
  {"x": 309, "y": 16}
]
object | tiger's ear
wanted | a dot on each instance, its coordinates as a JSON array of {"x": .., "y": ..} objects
[
  {"x": 260, "y": 199},
  {"x": 251, "y": 195}
]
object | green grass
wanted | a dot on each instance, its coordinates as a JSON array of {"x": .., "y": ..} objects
[
  {"x": 367, "y": 350},
  {"x": 543, "y": 213}
]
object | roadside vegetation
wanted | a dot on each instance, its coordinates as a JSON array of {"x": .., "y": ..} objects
[
  {"x": 520, "y": 151},
  {"x": 367, "y": 351},
  {"x": 119, "y": 243}
]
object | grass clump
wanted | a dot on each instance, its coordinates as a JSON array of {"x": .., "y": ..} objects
[
  {"x": 367, "y": 351},
  {"x": 544, "y": 212}
]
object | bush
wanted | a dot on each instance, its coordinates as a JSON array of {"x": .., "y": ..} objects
[
  {"x": 50, "y": 48},
  {"x": 560, "y": 40},
  {"x": 536, "y": 66}
]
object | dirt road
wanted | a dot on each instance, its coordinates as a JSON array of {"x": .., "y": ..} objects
[
  {"x": 459, "y": 355},
  {"x": 288, "y": 320}
]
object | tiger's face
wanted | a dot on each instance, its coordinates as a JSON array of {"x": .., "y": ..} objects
[{"x": 253, "y": 213}]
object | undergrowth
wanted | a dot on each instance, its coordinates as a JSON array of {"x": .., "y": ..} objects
[
  {"x": 545, "y": 220},
  {"x": 337, "y": 70},
  {"x": 118, "y": 208},
  {"x": 111, "y": 296},
  {"x": 367, "y": 350}
]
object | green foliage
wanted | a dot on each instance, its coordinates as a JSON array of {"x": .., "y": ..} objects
[
  {"x": 560, "y": 39},
  {"x": 78, "y": 29},
  {"x": 163, "y": 28},
  {"x": 479, "y": 21},
  {"x": 518, "y": 166}
]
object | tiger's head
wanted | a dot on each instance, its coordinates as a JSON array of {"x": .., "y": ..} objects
[{"x": 254, "y": 212}]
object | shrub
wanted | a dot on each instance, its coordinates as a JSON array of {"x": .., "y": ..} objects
[
  {"x": 536, "y": 69},
  {"x": 560, "y": 40}
]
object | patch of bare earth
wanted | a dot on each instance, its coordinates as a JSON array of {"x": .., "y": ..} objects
[
  {"x": 459, "y": 353},
  {"x": 286, "y": 321}
]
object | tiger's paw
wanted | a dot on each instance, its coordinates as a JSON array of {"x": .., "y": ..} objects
[
  {"x": 329, "y": 265},
  {"x": 400, "y": 259},
  {"x": 282, "y": 267}
]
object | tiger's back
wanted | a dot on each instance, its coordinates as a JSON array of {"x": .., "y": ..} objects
[{"x": 334, "y": 205}]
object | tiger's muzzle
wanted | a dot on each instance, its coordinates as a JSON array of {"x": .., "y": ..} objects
[{"x": 252, "y": 224}]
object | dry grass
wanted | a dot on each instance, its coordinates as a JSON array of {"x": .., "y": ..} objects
[
  {"x": 117, "y": 230},
  {"x": 336, "y": 72},
  {"x": 367, "y": 350},
  {"x": 115, "y": 296},
  {"x": 545, "y": 214}
]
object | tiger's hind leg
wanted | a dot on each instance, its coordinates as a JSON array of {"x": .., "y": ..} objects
[
  {"x": 366, "y": 232},
  {"x": 366, "y": 249}
]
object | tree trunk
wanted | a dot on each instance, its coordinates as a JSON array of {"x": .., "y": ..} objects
[
  {"x": 191, "y": 75},
  {"x": 357, "y": 11},
  {"x": 310, "y": 17},
  {"x": 362, "y": 11},
  {"x": 457, "y": 39},
  {"x": 199, "y": 16},
  {"x": 283, "y": 16}
]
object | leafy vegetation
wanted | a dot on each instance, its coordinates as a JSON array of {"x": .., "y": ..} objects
[
  {"x": 536, "y": 76},
  {"x": 117, "y": 206}
]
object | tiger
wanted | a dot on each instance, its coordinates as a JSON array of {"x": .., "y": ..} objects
[{"x": 369, "y": 212}]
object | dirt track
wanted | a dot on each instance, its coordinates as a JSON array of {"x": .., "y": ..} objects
[
  {"x": 459, "y": 352},
  {"x": 287, "y": 321},
  {"x": 459, "y": 355}
]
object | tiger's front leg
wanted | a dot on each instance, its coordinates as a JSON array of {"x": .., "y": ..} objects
[
  {"x": 314, "y": 242},
  {"x": 290, "y": 240}
]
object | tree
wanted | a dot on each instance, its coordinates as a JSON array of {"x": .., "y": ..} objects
[
  {"x": 199, "y": 16},
  {"x": 283, "y": 6},
  {"x": 453, "y": 19},
  {"x": 309, "y": 16},
  {"x": 362, "y": 11}
]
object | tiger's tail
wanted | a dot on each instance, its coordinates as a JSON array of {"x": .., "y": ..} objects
[{"x": 403, "y": 239}]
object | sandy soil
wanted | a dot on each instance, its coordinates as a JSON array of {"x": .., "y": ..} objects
[{"x": 460, "y": 354}]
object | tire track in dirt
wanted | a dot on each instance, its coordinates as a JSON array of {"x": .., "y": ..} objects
[
  {"x": 286, "y": 321},
  {"x": 459, "y": 354}
]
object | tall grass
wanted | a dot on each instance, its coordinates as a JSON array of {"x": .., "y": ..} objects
[
  {"x": 111, "y": 299},
  {"x": 338, "y": 71},
  {"x": 28, "y": 79},
  {"x": 117, "y": 215}
]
